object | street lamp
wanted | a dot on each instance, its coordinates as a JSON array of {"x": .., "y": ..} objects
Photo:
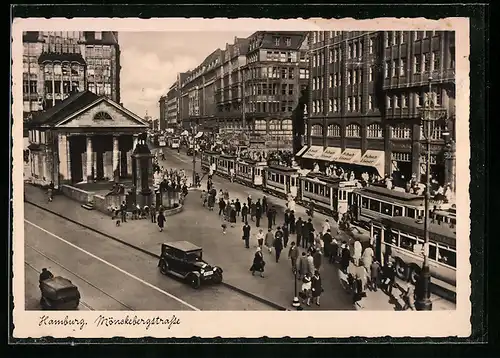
[
  {"x": 296, "y": 301},
  {"x": 429, "y": 116},
  {"x": 194, "y": 133}
]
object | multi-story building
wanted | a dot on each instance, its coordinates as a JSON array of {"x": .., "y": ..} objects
[
  {"x": 253, "y": 85},
  {"x": 58, "y": 63},
  {"x": 172, "y": 106},
  {"x": 162, "y": 103},
  {"x": 367, "y": 90}
]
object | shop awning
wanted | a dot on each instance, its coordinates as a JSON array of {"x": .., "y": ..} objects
[
  {"x": 301, "y": 151},
  {"x": 313, "y": 152},
  {"x": 375, "y": 159},
  {"x": 350, "y": 156},
  {"x": 330, "y": 154}
]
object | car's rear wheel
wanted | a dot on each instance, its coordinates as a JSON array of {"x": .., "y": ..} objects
[
  {"x": 217, "y": 277},
  {"x": 195, "y": 281},
  {"x": 163, "y": 267}
]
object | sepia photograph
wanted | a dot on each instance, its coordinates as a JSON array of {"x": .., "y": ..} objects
[{"x": 240, "y": 169}]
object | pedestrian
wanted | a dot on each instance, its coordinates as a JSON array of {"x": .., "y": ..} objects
[
  {"x": 222, "y": 206},
  {"x": 316, "y": 287},
  {"x": 274, "y": 212},
  {"x": 293, "y": 255},
  {"x": 204, "y": 198},
  {"x": 345, "y": 257},
  {"x": 260, "y": 238},
  {"x": 389, "y": 277},
  {"x": 310, "y": 263},
  {"x": 287, "y": 218},
  {"x": 317, "y": 259},
  {"x": 237, "y": 206},
  {"x": 232, "y": 213},
  {"x": 285, "y": 235},
  {"x": 258, "y": 263},
  {"x": 152, "y": 214},
  {"x": 264, "y": 204},
  {"x": 325, "y": 227},
  {"x": 269, "y": 240},
  {"x": 278, "y": 243},
  {"x": 161, "y": 221},
  {"x": 367, "y": 258},
  {"x": 269, "y": 215},
  {"x": 249, "y": 201},
  {"x": 258, "y": 212},
  {"x": 327, "y": 243},
  {"x": 334, "y": 251},
  {"x": 224, "y": 227},
  {"x": 246, "y": 235},
  {"x": 356, "y": 256},
  {"x": 253, "y": 209},
  {"x": 374, "y": 276},
  {"x": 244, "y": 212},
  {"x": 123, "y": 211},
  {"x": 306, "y": 289},
  {"x": 409, "y": 298},
  {"x": 303, "y": 265},
  {"x": 299, "y": 227},
  {"x": 292, "y": 223},
  {"x": 310, "y": 232}
]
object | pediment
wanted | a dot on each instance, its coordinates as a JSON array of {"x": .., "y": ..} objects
[{"x": 102, "y": 114}]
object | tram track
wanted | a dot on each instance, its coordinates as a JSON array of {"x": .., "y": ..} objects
[{"x": 226, "y": 285}]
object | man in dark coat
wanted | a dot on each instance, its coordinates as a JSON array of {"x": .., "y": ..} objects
[
  {"x": 244, "y": 213},
  {"x": 246, "y": 235},
  {"x": 258, "y": 212},
  {"x": 285, "y": 235},
  {"x": 123, "y": 212},
  {"x": 222, "y": 206},
  {"x": 161, "y": 220},
  {"x": 287, "y": 218},
  {"x": 299, "y": 227},
  {"x": 269, "y": 215},
  {"x": 327, "y": 239},
  {"x": 264, "y": 204},
  {"x": 273, "y": 210},
  {"x": 310, "y": 232},
  {"x": 237, "y": 206},
  {"x": 292, "y": 222},
  {"x": 278, "y": 243}
]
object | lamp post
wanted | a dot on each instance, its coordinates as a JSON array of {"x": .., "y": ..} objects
[
  {"x": 429, "y": 116},
  {"x": 296, "y": 301},
  {"x": 194, "y": 132}
]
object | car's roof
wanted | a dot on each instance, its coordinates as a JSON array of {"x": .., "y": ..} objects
[{"x": 183, "y": 245}]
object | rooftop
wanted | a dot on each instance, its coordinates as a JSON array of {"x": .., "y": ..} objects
[{"x": 183, "y": 245}]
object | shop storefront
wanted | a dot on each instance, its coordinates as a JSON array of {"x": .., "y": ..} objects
[
  {"x": 401, "y": 168},
  {"x": 310, "y": 158},
  {"x": 374, "y": 160}
]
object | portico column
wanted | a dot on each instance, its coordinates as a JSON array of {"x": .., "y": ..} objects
[
  {"x": 90, "y": 160},
  {"x": 116, "y": 159}
]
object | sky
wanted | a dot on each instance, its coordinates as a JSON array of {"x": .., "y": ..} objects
[{"x": 151, "y": 60}]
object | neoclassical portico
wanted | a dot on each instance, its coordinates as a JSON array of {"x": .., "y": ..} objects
[{"x": 86, "y": 138}]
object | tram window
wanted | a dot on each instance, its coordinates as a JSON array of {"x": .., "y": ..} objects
[
  {"x": 293, "y": 181},
  {"x": 327, "y": 191},
  {"x": 397, "y": 211},
  {"x": 407, "y": 243},
  {"x": 432, "y": 251},
  {"x": 410, "y": 213},
  {"x": 269, "y": 176},
  {"x": 322, "y": 190},
  {"x": 391, "y": 238},
  {"x": 447, "y": 257},
  {"x": 282, "y": 179},
  {"x": 386, "y": 209},
  {"x": 273, "y": 177},
  {"x": 306, "y": 186},
  {"x": 364, "y": 203},
  {"x": 316, "y": 189},
  {"x": 374, "y": 205}
]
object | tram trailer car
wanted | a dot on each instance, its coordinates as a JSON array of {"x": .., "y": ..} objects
[
  {"x": 374, "y": 202},
  {"x": 250, "y": 172},
  {"x": 208, "y": 159},
  {"x": 328, "y": 195},
  {"x": 224, "y": 165},
  {"x": 280, "y": 181}
]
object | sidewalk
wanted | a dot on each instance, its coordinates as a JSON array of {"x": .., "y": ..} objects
[{"x": 202, "y": 228}]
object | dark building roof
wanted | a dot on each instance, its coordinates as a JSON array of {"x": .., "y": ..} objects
[
  {"x": 53, "y": 56},
  {"x": 70, "y": 105},
  {"x": 31, "y": 36}
]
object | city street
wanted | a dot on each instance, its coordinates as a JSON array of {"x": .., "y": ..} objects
[{"x": 109, "y": 275}]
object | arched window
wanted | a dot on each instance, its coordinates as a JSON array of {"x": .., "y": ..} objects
[
  {"x": 333, "y": 130},
  {"x": 352, "y": 130},
  {"x": 317, "y": 130},
  {"x": 100, "y": 116},
  {"x": 286, "y": 125},
  {"x": 374, "y": 131}
]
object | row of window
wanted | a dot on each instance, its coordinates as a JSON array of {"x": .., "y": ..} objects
[
  {"x": 288, "y": 56},
  {"x": 354, "y": 51},
  {"x": 272, "y": 89},
  {"x": 351, "y": 130},
  {"x": 427, "y": 62},
  {"x": 99, "y": 51},
  {"x": 270, "y": 107},
  {"x": 354, "y": 104},
  {"x": 376, "y": 131},
  {"x": 401, "y": 100},
  {"x": 394, "y": 38},
  {"x": 272, "y": 72},
  {"x": 64, "y": 69}
]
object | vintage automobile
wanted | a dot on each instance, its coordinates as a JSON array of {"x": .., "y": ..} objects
[
  {"x": 59, "y": 293},
  {"x": 190, "y": 151},
  {"x": 184, "y": 260}
]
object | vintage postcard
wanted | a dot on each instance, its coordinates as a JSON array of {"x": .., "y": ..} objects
[{"x": 241, "y": 178}]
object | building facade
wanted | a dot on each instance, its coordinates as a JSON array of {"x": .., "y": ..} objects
[
  {"x": 172, "y": 107},
  {"x": 58, "y": 63},
  {"x": 367, "y": 90},
  {"x": 252, "y": 85},
  {"x": 162, "y": 104},
  {"x": 84, "y": 138}
]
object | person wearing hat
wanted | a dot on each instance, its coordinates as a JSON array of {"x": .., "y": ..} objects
[
  {"x": 389, "y": 274},
  {"x": 258, "y": 263}
]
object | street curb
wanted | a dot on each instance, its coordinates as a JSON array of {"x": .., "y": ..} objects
[{"x": 149, "y": 253}]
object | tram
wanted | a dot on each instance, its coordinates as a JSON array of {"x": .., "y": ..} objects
[
  {"x": 250, "y": 172},
  {"x": 209, "y": 160},
  {"x": 281, "y": 181},
  {"x": 225, "y": 165}
]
